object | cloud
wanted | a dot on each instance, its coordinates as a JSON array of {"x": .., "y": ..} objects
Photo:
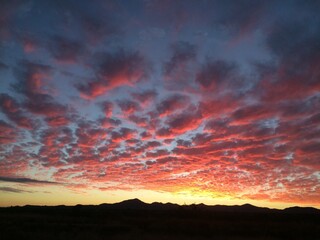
[
  {"x": 179, "y": 70},
  {"x": 115, "y": 70},
  {"x": 242, "y": 18},
  {"x": 184, "y": 122},
  {"x": 216, "y": 97},
  {"x": 216, "y": 74},
  {"x": 128, "y": 106},
  {"x": 8, "y": 133},
  {"x": 165, "y": 132},
  {"x": 253, "y": 113},
  {"x": 145, "y": 135},
  {"x": 94, "y": 23},
  {"x": 123, "y": 134},
  {"x": 13, "y": 190},
  {"x": 31, "y": 78},
  {"x": 41, "y": 104},
  {"x": 182, "y": 52},
  {"x": 32, "y": 83},
  {"x": 185, "y": 143},
  {"x": 26, "y": 180},
  {"x": 7, "y": 13},
  {"x": 89, "y": 137},
  {"x": 109, "y": 122},
  {"x": 107, "y": 108},
  {"x": 97, "y": 29},
  {"x": 145, "y": 98},
  {"x": 295, "y": 73},
  {"x": 139, "y": 121},
  {"x": 3, "y": 66},
  {"x": 14, "y": 111},
  {"x": 65, "y": 50},
  {"x": 218, "y": 106},
  {"x": 172, "y": 104}
]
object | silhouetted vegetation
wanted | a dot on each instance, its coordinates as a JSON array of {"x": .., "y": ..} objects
[{"x": 134, "y": 219}]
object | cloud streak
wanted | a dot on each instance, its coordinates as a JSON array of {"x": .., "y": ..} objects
[
  {"x": 25, "y": 180},
  {"x": 13, "y": 190}
]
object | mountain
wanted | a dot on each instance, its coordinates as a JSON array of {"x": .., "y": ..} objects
[
  {"x": 135, "y": 219},
  {"x": 137, "y": 204},
  {"x": 298, "y": 210},
  {"x": 131, "y": 204}
]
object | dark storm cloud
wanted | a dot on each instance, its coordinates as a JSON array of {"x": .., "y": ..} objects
[
  {"x": 115, "y": 69},
  {"x": 25, "y": 180}
]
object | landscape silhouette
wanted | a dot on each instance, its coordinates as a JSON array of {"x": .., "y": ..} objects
[{"x": 135, "y": 219}]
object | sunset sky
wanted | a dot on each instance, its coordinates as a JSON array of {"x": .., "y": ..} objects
[{"x": 191, "y": 101}]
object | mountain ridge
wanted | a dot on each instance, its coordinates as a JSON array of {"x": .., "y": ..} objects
[{"x": 137, "y": 204}]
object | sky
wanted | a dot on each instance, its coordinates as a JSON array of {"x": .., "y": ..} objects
[{"x": 193, "y": 101}]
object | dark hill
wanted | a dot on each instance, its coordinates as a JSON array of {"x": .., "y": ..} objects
[
  {"x": 302, "y": 210},
  {"x": 134, "y": 219},
  {"x": 137, "y": 204},
  {"x": 131, "y": 204}
]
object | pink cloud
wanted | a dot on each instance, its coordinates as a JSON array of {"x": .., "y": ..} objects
[
  {"x": 8, "y": 133},
  {"x": 115, "y": 70},
  {"x": 14, "y": 112},
  {"x": 184, "y": 122}
]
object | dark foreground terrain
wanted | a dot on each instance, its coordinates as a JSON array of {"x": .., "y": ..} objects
[{"x": 134, "y": 219}]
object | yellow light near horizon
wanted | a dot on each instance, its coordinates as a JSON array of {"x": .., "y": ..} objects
[{"x": 59, "y": 195}]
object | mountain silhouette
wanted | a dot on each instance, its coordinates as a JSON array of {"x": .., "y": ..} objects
[
  {"x": 135, "y": 219},
  {"x": 137, "y": 204},
  {"x": 131, "y": 204}
]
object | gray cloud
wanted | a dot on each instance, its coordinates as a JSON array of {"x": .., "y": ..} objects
[
  {"x": 13, "y": 190},
  {"x": 25, "y": 180}
]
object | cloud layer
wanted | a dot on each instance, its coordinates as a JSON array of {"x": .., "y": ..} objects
[{"x": 211, "y": 97}]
